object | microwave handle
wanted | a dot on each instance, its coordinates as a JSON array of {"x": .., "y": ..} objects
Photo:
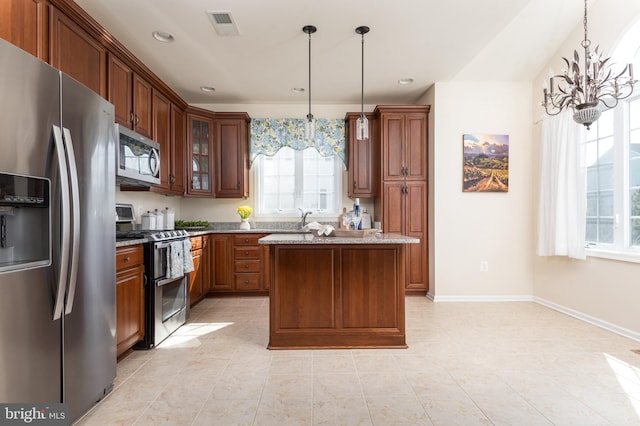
[{"x": 154, "y": 162}]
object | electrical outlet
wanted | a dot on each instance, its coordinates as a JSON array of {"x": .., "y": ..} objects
[{"x": 484, "y": 266}]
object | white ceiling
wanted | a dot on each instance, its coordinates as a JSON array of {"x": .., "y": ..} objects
[{"x": 427, "y": 40}]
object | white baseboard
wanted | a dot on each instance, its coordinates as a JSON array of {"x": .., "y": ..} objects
[
  {"x": 514, "y": 298},
  {"x": 588, "y": 318}
]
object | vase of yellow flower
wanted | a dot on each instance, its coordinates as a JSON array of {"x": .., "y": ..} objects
[{"x": 244, "y": 212}]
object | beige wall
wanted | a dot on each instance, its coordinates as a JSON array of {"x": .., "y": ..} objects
[
  {"x": 603, "y": 291},
  {"x": 467, "y": 228}
]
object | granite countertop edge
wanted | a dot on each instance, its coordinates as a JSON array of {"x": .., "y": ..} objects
[{"x": 308, "y": 239}]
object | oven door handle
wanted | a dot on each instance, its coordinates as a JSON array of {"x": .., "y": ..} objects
[{"x": 168, "y": 281}]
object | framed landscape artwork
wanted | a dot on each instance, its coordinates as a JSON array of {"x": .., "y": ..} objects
[{"x": 486, "y": 163}]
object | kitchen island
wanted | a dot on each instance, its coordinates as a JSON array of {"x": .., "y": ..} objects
[{"x": 331, "y": 292}]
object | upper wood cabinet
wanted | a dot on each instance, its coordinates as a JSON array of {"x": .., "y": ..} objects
[
  {"x": 21, "y": 24},
  {"x": 73, "y": 51},
  {"x": 131, "y": 96},
  {"x": 178, "y": 150},
  {"x": 363, "y": 173},
  {"x": 404, "y": 151},
  {"x": 231, "y": 155},
  {"x": 199, "y": 155},
  {"x": 161, "y": 113}
]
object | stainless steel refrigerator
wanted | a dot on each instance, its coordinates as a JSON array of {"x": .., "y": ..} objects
[{"x": 57, "y": 237}]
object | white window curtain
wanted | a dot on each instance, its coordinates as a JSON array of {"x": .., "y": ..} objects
[{"x": 562, "y": 204}]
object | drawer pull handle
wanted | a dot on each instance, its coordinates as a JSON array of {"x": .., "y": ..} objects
[
  {"x": 246, "y": 253},
  {"x": 246, "y": 241},
  {"x": 246, "y": 281},
  {"x": 246, "y": 266},
  {"x": 126, "y": 259}
]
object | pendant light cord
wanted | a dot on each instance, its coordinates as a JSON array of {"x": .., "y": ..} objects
[
  {"x": 362, "y": 80},
  {"x": 309, "y": 116},
  {"x": 309, "y": 29}
]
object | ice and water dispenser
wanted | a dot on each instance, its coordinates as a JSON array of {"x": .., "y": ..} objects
[{"x": 25, "y": 234}]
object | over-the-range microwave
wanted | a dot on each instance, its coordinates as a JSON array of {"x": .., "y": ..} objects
[{"x": 137, "y": 159}]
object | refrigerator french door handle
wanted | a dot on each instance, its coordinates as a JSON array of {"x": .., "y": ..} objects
[
  {"x": 75, "y": 217},
  {"x": 65, "y": 223}
]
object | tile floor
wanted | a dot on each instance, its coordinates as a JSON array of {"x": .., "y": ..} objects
[{"x": 467, "y": 364}]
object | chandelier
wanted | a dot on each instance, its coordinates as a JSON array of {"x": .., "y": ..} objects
[{"x": 590, "y": 91}]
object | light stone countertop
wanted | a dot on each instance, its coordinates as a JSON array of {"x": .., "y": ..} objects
[{"x": 306, "y": 239}]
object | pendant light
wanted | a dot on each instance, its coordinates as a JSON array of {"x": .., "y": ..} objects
[
  {"x": 362, "y": 124},
  {"x": 310, "y": 124}
]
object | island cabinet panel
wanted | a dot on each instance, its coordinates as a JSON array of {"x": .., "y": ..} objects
[
  {"x": 305, "y": 294},
  {"x": 368, "y": 301},
  {"x": 337, "y": 296}
]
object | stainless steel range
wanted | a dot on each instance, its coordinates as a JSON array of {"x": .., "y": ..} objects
[{"x": 166, "y": 295}]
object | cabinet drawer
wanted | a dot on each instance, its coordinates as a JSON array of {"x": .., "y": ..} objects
[
  {"x": 247, "y": 266},
  {"x": 247, "y": 281},
  {"x": 246, "y": 240},
  {"x": 129, "y": 256},
  {"x": 248, "y": 252},
  {"x": 196, "y": 243}
]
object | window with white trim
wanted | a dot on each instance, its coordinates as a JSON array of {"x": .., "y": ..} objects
[
  {"x": 613, "y": 170},
  {"x": 613, "y": 179},
  {"x": 292, "y": 180}
]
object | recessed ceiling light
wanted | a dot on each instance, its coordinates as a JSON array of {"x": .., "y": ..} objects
[
  {"x": 405, "y": 81},
  {"x": 163, "y": 36},
  {"x": 207, "y": 89},
  {"x": 298, "y": 89}
]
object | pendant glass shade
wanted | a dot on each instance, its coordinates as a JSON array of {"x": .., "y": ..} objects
[
  {"x": 310, "y": 128},
  {"x": 362, "y": 128}
]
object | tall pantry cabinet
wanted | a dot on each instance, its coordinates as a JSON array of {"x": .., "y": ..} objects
[{"x": 402, "y": 202}]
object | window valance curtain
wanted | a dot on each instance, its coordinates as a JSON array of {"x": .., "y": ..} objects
[{"x": 268, "y": 135}]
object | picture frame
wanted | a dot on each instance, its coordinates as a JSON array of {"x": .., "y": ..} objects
[{"x": 485, "y": 162}]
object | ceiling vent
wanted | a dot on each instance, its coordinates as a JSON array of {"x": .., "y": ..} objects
[{"x": 223, "y": 23}]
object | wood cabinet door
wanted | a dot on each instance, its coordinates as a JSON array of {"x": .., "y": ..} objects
[
  {"x": 161, "y": 108},
  {"x": 363, "y": 165},
  {"x": 416, "y": 145},
  {"x": 415, "y": 225},
  {"x": 73, "y": 51},
  {"x": 392, "y": 206},
  {"x": 196, "y": 291},
  {"x": 142, "y": 106},
  {"x": 120, "y": 78},
  {"x": 231, "y": 158},
  {"x": 221, "y": 261},
  {"x": 393, "y": 146},
  {"x": 178, "y": 150},
  {"x": 199, "y": 155},
  {"x": 21, "y": 26},
  {"x": 129, "y": 308}
]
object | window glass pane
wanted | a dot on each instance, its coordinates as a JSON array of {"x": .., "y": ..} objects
[
  {"x": 605, "y": 230},
  {"x": 634, "y": 114},
  {"x": 605, "y": 124},
  {"x": 605, "y": 203},
  {"x": 298, "y": 179},
  {"x": 635, "y": 232},
  {"x": 592, "y": 230}
]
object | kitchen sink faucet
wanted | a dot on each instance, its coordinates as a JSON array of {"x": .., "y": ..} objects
[{"x": 303, "y": 217}]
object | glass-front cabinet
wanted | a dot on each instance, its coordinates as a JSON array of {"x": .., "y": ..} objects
[{"x": 200, "y": 157}]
